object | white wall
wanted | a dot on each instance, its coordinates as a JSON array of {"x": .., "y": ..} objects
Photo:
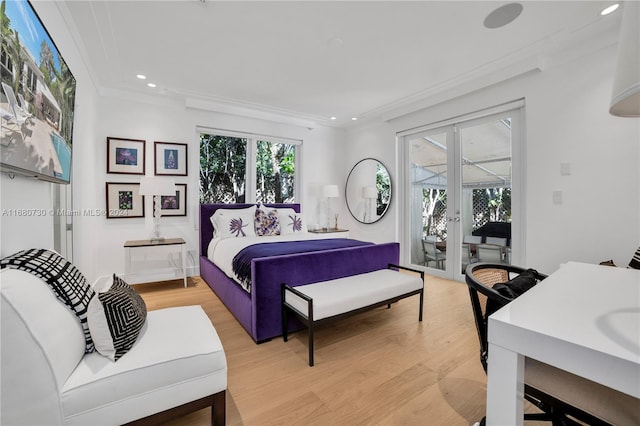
[
  {"x": 567, "y": 120},
  {"x": 99, "y": 241}
]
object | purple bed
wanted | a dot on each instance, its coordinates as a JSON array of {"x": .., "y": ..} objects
[{"x": 259, "y": 312}]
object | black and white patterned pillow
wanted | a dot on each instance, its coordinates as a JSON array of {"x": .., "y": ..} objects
[
  {"x": 116, "y": 318},
  {"x": 635, "y": 260},
  {"x": 66, "y": 281}
]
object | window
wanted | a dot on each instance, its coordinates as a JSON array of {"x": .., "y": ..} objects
[
  {"x": 275, "y": 168},
  {"x": 239, "y": 168}
]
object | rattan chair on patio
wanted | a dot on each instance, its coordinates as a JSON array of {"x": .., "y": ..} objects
[{"x": 561, "y": 396}]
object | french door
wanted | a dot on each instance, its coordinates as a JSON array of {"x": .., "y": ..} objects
[{"x": 462, "y": 193}]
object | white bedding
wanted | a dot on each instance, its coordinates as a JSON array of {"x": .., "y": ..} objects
[{"x": 221, "y": 251}]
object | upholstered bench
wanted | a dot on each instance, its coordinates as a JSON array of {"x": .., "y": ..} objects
[
  {"x": 327, "y": 301},
  {"x": 176, "y": 365}
]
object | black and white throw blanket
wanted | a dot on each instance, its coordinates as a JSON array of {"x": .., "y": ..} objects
[{"x": 66, "y": 281}]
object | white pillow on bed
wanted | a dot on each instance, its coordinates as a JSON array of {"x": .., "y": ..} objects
[
  {"x": 291, "y": 222},
  {"x": 232, "y": 223}
]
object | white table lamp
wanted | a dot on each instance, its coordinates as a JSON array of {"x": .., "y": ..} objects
[
  {"x": 368, "y": 193},
  {"x": 156, "y": 187},
  {"x": 329, "y": 192}
]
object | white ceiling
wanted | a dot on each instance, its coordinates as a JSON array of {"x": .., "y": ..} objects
[{"x": 315, "y": 60}]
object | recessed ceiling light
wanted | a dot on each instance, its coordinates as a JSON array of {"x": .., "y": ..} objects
[
  {"x": 503, "y": 15},
  {"x": 333, "y": 118},
  {"x": 151, "y": 84},
  {"x": 354, "y": 118},
  {"x": 609, "y": 9},
  {"x": 141, "y": 77}
]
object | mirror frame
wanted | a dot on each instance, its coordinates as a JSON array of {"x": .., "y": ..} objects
[{"x": 346, "y": 192}]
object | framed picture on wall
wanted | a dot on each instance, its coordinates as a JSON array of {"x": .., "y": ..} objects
[
  {"x": 170, "y": 158},
  {"x": 125, "y": 156},
  {"x": 124, "y": 200},
  {"x": 175, "y": 205}
]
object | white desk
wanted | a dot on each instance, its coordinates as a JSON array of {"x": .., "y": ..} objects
[
  {"x": 583, "y": 318},
  {"x": 128, "y": 245}
]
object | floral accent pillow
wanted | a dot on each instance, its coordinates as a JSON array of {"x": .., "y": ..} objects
[
  {"x": 233, "y": 223},
  {"x": 267, "y": 223},
  {"x": 292, "y": 223}
]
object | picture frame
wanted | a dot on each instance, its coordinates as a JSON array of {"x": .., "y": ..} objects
[
  {"x": 124, "y": 200},
  {"x": 125, "y": 156},
  {"x": 170, "y": 159},
  {"x": 174, "y": 205}
]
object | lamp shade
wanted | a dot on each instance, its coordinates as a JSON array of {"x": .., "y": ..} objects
[
  {"x": 625, "y": 101},
  {"x": 369, "y": 192},
  {"x": 330, "y": 191},
  {"x": 157, "y": 186}
]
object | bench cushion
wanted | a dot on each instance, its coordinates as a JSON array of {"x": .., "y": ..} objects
[
  {"x": 346, "y": 294},
  {"x": 178, "y": 358}
]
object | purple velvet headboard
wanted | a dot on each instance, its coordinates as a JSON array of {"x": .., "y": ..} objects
[{"x": 206, "y": 228}]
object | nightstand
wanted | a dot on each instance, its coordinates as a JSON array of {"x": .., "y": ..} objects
[
  {"x": 133, "y": 244},
  {"x": 328, "y": 231}
]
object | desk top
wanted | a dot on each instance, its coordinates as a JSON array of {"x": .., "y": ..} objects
[
  {"x": 149, "y": 243},
  {"x": 584, "y": 319}
]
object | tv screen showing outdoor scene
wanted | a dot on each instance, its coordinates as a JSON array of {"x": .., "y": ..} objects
[{"x": 37, "y": 98}]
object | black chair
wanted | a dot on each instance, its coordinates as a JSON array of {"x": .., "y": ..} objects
[{"x": 480, "y": 278}]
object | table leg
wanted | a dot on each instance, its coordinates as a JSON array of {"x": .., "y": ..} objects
[
  {"x": 505, "y": 387},
  {"x": 127, "y": 260},
  {"x": 183, "y": 257}
]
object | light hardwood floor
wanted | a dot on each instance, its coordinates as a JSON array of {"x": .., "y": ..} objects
[{"x": 382, "y": 367}]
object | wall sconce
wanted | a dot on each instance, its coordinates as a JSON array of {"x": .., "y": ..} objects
[
  {"x": 625, "y": 101},
  {"x": 157, "y": 187}
]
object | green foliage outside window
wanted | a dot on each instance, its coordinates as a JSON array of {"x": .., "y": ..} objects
[
  {"x": 276, "y": 172},
  {"x": 223, "y": 163},
  {"x": 223, "y": 174}
]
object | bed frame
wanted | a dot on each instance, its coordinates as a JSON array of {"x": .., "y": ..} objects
[{"x": 260, "y": 312}]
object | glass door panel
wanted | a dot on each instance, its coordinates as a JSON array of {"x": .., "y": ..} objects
[
  {"x": 485, "y": 195},
  {"x": 428, "y": 153}
]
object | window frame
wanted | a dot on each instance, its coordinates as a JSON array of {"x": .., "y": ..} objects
[{"x": 251, "y": 175}]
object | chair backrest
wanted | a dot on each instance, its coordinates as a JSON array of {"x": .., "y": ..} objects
[
  {"x": 489, "y": 253},
  {"x": 13, "y": 103},
  {"x": 480, "y": 278},
  {"x": 429, "y": 247},
  {"x": 472, "y": 239},
  {"x": 23, "y": 103},
  {"x": 496, "y": 241},
  {"x": 42, "y": 343}
]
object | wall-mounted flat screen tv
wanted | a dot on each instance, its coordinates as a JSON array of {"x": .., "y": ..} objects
[{"x": 37, "y": 98}]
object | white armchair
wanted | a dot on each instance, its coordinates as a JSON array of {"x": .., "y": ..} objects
[{"x": 177, "y": 364}]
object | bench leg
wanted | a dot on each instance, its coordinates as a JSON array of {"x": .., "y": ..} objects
[
  {"x": 218, "y": 410},
  {"x": 310, "y": 344},
  {"x": 284, "y": 315},
  {"x": 421, "y": 304},
  {"x": 285, "y": 331}
]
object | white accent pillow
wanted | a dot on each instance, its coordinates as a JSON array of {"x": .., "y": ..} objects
[
  {"x": 291, "y": 222},
  {"x": 232, "y": 223}
]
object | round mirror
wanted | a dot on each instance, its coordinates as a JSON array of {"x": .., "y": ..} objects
[{"x": 368, "y": 191}]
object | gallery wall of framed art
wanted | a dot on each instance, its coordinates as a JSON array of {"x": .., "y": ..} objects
[{"x": 126, "y": 156}]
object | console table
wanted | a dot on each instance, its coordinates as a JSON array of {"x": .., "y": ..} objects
[{"x": 133, "y": 244}]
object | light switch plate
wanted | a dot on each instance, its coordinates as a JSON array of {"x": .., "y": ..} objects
[
  {"x": 557, "y": 197},
  {"x": 565, "y": 169}
]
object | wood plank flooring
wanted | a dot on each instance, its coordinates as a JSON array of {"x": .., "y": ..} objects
[{"x": 382, "y": 367}]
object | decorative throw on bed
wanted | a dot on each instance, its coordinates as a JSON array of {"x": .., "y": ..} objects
[
  {"x": 242, "y": 260},
  {"x": 66, "y": 281}
]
